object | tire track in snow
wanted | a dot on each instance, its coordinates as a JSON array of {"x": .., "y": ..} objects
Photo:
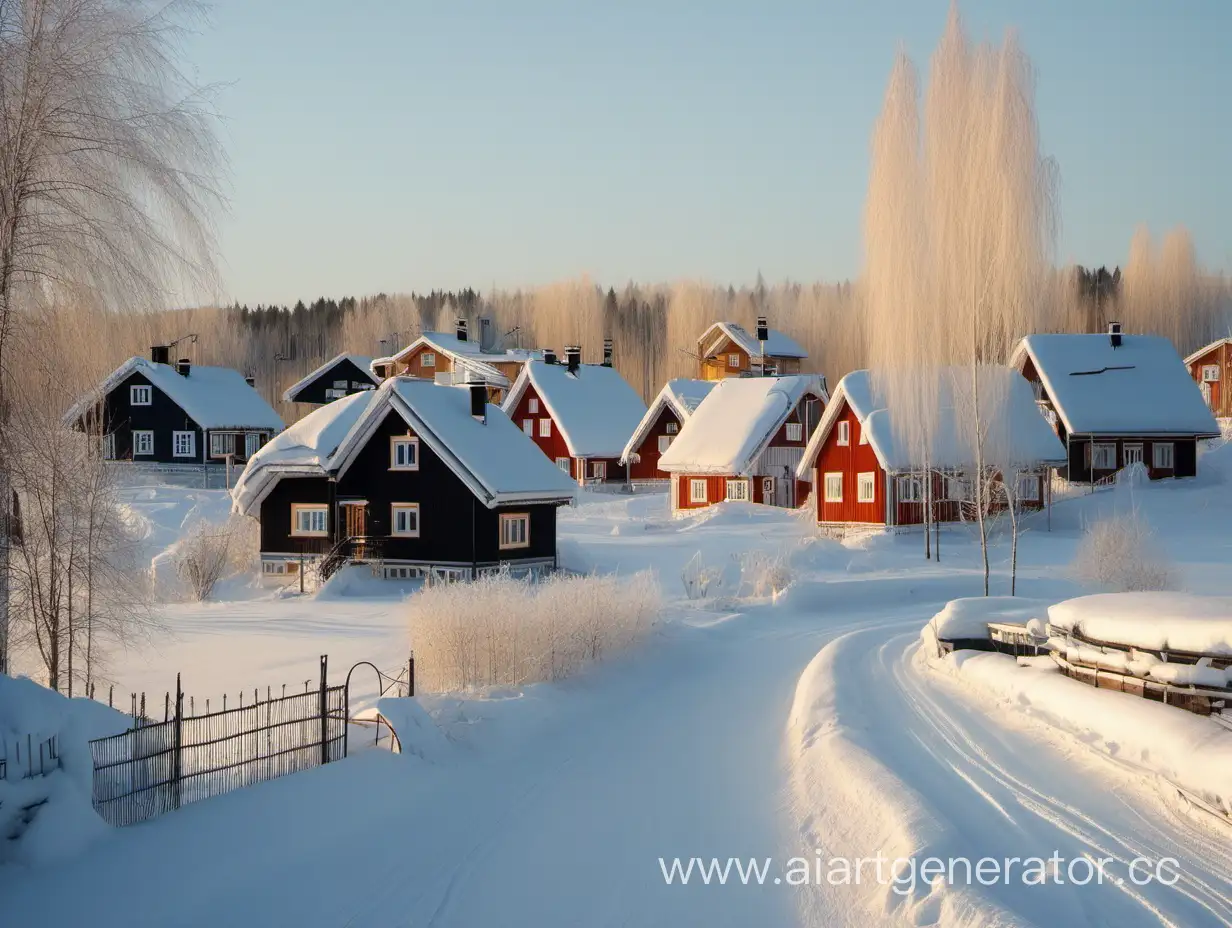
[{"x": 953, "y": 780}]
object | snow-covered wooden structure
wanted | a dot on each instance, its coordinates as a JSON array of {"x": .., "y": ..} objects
[
  {"x": 1174, "y": 648},
  {"x": 1211, "y": 367},
  {"x": 580, "y": 415},
  {"x": 863, "y": 474},
  {"x": 1117, "y": 400},
  {"x": 744, "y": 442},
  {"x": 413, "y": 478},
  {"x": 456, "y": 358},
  {"x": 670, "y": 410},
  {"x": 728, "y": 349},
  {"x": 182, "y": 413},
  {"x": 340, "y": 376}
]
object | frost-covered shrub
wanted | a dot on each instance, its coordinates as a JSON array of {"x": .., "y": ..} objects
[
  {"x": 208, "y": 552},
  {"x": 500, "y": 630},
  {"x": 1119, "y": 554},
  {"x": 763, "y": 574}
]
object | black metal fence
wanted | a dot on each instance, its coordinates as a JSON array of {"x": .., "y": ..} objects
[
  {"x": 38, "y": 759},
  {"x": 159, "y": 766}
]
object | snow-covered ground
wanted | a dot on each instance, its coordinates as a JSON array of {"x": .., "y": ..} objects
[{"x": 807, "y": 725}]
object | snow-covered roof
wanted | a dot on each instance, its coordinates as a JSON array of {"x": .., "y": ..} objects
[
  {"x": 595, "y": 409},
  {"x": 1156, "y": 621},
  {"x": 305, "y": 449},
  {"x": 470, "y": 361},
  {"x": 363, "y": 362},
  {"x": 493, "y": 458},
  {"x": 1140, "y": 388},
  {"x": 213, "y": 397},
  {"x": 778, "y": 345},
  {"x": 683, "y": 396},
  {"x": 735, "y": 422},
  {"x": 1217, "y": 343},
  {"x": 1018, "y": 435}
]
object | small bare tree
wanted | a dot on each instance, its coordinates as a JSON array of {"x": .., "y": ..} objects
[
  {"x": 108, "y": 167},
  {"x": 208, "y": 552}
]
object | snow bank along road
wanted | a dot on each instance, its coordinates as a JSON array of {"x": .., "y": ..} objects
[{"x": 729, "y": 739}]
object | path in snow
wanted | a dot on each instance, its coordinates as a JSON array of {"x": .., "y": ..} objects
[
  {"x": 974, "y": 780},
  {"x": 558, "y": 808}
]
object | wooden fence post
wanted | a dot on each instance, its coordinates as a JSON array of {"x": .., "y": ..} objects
[
  {"x": 323, "y": 705},
  {"x": 177, "y": 768}
]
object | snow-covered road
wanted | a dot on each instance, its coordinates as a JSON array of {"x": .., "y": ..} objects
[
  {"x": 948, "y": 777},
  {"x": 730, "y": 737}
]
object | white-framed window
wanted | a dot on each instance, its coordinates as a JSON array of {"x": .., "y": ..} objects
[
  {"x": 1206, "y": 391},
  {"x": 340, "y": 385},
  {"x": 1210, "y": 373},
  {"x": 309, "y": 520},
  {"x": 143, "y": 442},
  {"x": 795, "y": 431},
  {"x": 401, "y": 572},
  {"x": 109, "y": 446},
  {"x": 1102, "y": 456},
  {"x": 140, "y": 395},
  {"x": 273, "y": 567},
  {"x": 404, "y": 520},
  {"x": 545, "y": 428},
  {"x": 598, "y": 470},
  {"x": 528, "y": 426},
  {"x": 221, "y": 444},
  {"x": 733, "y": 361},
  {"x": 665, "y": 442},
  {"x": 1028, "y": 488},
  {"x": 956, "y": 489},
  {"x": 565, "y": 464},
  {"x": 427, "y": 359},
  {"x": 844, "y": 432},
  {"x": 184, "y": 444},
  {"x": 1162, "y": 454},
  {"x": 671, "y": 428},
  {"x": 834, "y": 487},
  {"x": 1132, "y": 453},
  {"x": 738, "y": 490},
  {"x": 404, "y": 454},
  {"x": 866, "y": 488},
  {"x": 909, "y": 490},
  {"x": 514, "y": 530},
  {"x": 697, "y": 491},
  {"x": 532, "y": 405}
]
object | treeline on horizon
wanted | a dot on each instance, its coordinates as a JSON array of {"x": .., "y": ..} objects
[{"x": 655, "y": 327}]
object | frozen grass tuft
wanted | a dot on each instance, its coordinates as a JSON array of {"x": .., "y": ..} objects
[
  {"x": 1118, "y": 553},
  {"x": 502, "y": 631}
]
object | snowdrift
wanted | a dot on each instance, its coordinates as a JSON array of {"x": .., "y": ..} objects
[
  {"x": 49, "y": 817},
  {"x": 1158, "y": 621}
]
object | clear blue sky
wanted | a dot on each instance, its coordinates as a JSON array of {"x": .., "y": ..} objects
[{"x": 397, "y": 146}]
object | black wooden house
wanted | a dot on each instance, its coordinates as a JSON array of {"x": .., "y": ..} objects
[
  {"x": 341, "y": 376},
  {"x": 412, "y": 478},
  {"x": 157, "y": 412}
]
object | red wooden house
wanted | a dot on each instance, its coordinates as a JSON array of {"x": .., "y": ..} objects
[
  {"x": 743, "y": 442},
  {"x": 667, "y": 415},
  {"x": 1211, "y": 368},
  {"x": 580, "y": 415},
  {"x": 862, "y": 474}
]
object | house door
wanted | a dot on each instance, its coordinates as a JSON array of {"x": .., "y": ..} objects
[
  {"x": 252, "y": 441},
  {"x": 1133, "y": 454}
]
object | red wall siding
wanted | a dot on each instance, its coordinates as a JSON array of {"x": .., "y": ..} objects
[
  {"x": 850, "y": 460},
  {"x": 797, "y": 415},
  {"x": 554, "y": 445},
  {"x": 648, "y": 467},
  {"x": 1221, "y": 397},
  {"x": 716, "y": 490}
]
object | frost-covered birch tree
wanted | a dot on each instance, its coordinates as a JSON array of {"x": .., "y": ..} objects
[
  {"x": 959, "y": 243},
  {"x": 108, "y": 161}
]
